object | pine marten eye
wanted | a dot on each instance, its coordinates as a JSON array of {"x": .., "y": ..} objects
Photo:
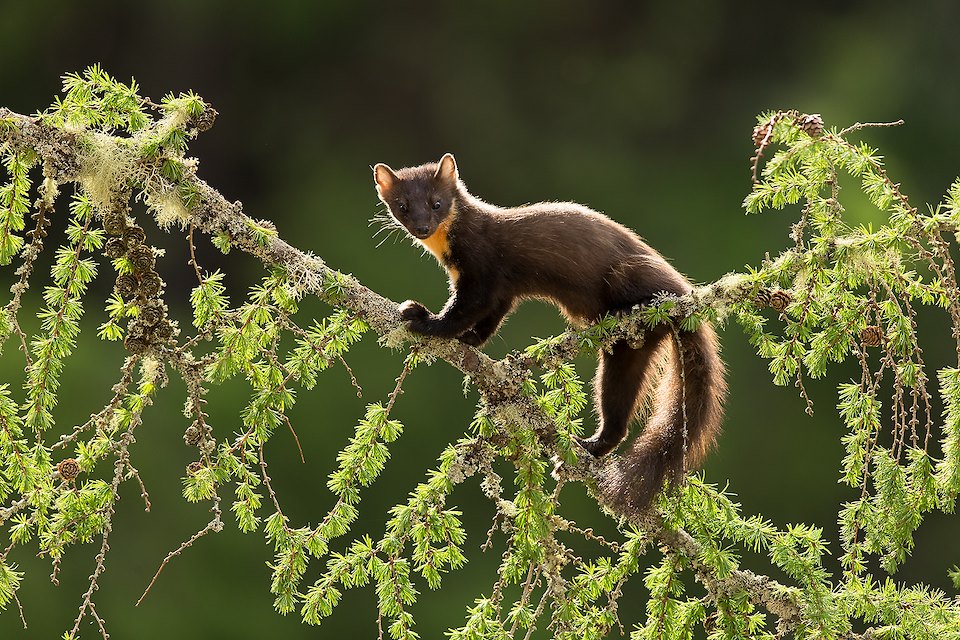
[
  {"x": 402, "y": 206},
  {"x": 436, "y": 205}
]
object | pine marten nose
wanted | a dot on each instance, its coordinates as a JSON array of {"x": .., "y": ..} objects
[{"x": 422, "y": 231}]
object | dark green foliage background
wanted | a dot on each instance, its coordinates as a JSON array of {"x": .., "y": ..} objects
[{"x": 641, "y": 110}]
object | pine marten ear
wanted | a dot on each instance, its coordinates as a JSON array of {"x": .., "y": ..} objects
[
  {"x": 384, "y": 176},
  {"x": 447, "y": 171}
]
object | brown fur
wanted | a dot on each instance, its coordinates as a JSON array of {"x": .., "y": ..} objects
[{"x": 588, "y": 265}]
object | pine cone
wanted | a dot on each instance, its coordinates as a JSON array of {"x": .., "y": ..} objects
[
  {"x": 114, "y": 222},
  {"x": 760, "y": 132},
  {"x": 192, "y": 436},
  {"x": 142, "y": 258},
  {"x": 871, "y": 336},
  {"x": 151, "y": 312},
  {"x": 194, "y": 467},
  {"x": 68, "y": 469},
  {"x": 134, "y": 235},
  {"x": 126, "y": 285},
  {"x": 136, "y": 345},
  {"x": 137, "y": 340},
  {"x": 150, "y": 284},
  {"x": 206, "y": 119},
  {"x": 114, "y": 248},
  {"x": 779, "y": 300},
  {"x": 811, "y": 124},
  {"x": 763, "y": 297},
  {"x": 163, "y": 330}
]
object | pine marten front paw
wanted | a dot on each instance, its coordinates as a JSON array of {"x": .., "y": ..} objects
[
  {"x": 412, "y": 310},
  {"x": 471, "y": 338}
]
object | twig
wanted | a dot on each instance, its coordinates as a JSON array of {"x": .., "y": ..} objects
[
  {"x": 100, "y": 623},
  {"x": 215, "y": 525},
  {"x": 353, "y": 378},
  {"x": 589, "y": 534},
  {"x": 532, "y": 570},
  {"x": 865, "y": 125},
  {"x": 30, "y": 254},
  {"x": 87, "y": 602},
  {"x": 119, "y": 466},
  {"x": 270, "y": 491},
  {"x": 193, "y": 255},
  {"x": 397, "y": 390},
  {"x": 55, "y": 571},
  {"x": 143, "y": 489},
  {"x": 675, "y": 564},
  {"x": 23, "y": 618},
  {"x": 540, "y": 607},
  {"x": 295, "y": 438},
  {"x": 493, "y": 527}
]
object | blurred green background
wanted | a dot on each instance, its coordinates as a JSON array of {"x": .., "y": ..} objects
[{"x": 642, "y": 110}]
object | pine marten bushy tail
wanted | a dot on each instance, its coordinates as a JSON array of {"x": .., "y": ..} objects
[
  {"x": 588, "y": 266},
  {"x": 683, "y": 426}
]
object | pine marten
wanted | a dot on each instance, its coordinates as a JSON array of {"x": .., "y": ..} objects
[{"x": 588, "y": 266}]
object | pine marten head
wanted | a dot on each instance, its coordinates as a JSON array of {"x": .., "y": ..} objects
[{"x": 419, "y": 198}]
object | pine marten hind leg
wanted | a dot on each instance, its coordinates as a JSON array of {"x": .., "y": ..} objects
[{"x": 625, "y": 376}]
